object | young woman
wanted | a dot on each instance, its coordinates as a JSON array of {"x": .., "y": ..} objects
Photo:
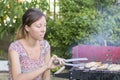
[{"x": 29, "y": 54}]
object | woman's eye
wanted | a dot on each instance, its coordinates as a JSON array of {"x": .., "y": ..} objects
[{"x": 38, "y": 26}]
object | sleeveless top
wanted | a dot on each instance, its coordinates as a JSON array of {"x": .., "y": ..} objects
[{"x": 28, "y": 64}]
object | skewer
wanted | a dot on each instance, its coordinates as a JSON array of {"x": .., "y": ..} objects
[
  {"x": 76, "y": 59},
  {"x": 56, "y": 62},
  {"x": 73, "y": 65}
]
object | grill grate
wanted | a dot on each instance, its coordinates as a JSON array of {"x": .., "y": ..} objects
[{"x": 89, "y": 75}]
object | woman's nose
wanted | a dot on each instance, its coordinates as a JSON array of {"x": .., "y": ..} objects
[{"x": 43, "y": 29}]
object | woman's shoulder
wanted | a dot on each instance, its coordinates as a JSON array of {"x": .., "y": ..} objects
[
  {"x": 14, "y": 45},
  {"x": 16, "y": 42}
]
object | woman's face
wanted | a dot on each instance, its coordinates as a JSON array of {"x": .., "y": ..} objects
[{"x": 37, "y": 29}]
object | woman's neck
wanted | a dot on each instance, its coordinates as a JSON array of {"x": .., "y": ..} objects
[{"x": 31, "y": 42}]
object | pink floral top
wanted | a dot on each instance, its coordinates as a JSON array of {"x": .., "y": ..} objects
[{"x": 28, "y": 64}]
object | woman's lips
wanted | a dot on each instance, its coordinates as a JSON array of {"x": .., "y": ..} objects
[{"x": 42, "y": 36}]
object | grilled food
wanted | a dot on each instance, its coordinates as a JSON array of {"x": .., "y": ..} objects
[
  {"x": 92, "y": 64},
  {"x": 103, "y": 66},
  {"x": 114, "y": 67}
]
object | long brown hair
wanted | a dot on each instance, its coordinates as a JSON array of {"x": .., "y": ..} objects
[{"x": 29, "y": 17}]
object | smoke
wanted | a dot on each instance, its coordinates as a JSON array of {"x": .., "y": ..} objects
[{"x": 107, "y": 25}]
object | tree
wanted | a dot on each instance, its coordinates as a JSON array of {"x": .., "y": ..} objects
[
  {"x": 75, "y": 24},
  {"x": 12, "y": 11}
]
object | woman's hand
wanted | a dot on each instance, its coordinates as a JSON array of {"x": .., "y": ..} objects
[
  {"x": 60, "y": 61},
  {"x": 51, "y": 64}
]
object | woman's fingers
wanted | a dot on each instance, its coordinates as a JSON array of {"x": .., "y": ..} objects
[
  {"x": 56, "y": 61},
  {"x": 61, "y": 61},
  {"x": 51, "y": 63}
]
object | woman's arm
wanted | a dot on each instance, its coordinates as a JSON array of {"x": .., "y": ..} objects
[
  {"x": 46, "y": 75},
  {"x": 16, "y": 70}
]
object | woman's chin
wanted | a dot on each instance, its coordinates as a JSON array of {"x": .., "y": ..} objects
[{"x": 41, "y": 39}]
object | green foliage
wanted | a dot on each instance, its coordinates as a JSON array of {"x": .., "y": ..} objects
[
  {"x": 74, "y": 25},
  {"x": 12, "y": 11},
  {"x": 3, "y": 56},
  {"x": 55, "y": 69}
]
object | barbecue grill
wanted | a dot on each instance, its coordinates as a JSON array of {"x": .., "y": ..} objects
[{"x": 105, "y": 54}]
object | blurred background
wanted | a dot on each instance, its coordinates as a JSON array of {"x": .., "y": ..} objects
[{"x": 69, "y": 23}]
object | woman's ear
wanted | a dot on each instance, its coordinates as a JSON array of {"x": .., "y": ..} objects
[{"x": 27, "y": 28}]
